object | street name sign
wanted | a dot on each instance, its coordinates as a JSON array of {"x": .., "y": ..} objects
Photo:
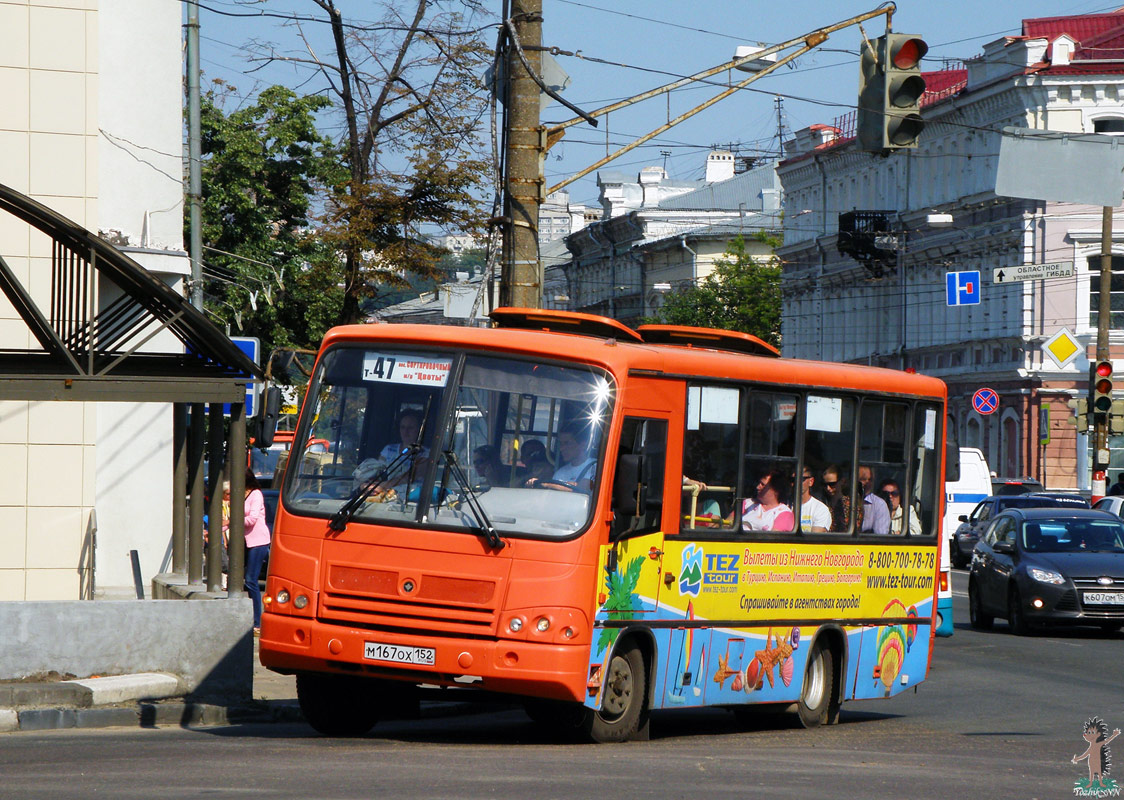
[{"x": 1033, "y": 272}]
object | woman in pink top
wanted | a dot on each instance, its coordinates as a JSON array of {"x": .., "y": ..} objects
[
  {"x": 257, "y": 542},
  {"x": 768, "y": 513}
]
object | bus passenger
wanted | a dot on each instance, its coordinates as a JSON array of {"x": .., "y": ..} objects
[
  {"x": 768, "y": 513},
  {"x": 489, "y": 468},
  {"x": 838, "y": 498},
  {"x": 815, "y": 517},
  {"x": 875, "y": 514},
  {"x": 890, "y": 489}
]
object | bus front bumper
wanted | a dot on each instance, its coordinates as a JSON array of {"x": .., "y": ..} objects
[{"x": 291, "y": 644}]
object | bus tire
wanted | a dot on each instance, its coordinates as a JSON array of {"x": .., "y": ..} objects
[
  {"x": 623, "y": 700},
  {"x": 337, "y": 705},
  {"x": 817, "y": 705}
]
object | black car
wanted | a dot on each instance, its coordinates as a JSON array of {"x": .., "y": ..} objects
[
  {"x": 973, "y": 525},
  {"x": 1049, "y": 565}
]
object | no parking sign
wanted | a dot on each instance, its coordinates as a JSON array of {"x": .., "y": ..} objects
[{"x": 985, "y": 401}]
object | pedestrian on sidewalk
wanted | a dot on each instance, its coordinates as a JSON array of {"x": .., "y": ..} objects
[{"x": 257, "y": 542}]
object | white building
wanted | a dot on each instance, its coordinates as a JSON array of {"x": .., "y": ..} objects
[
  {"x": 657, "y": 234},
  {"x": 1062, "y": 74},
  {"x": 91, "y": 126}
]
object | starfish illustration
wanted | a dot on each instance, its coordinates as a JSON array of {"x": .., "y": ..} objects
[
  {"x": 723, "y": 672},
  {"x": 771, "y": 656}
]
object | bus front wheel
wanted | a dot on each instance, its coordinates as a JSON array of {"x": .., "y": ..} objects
[
  {"x": 623, "y": 698},
  {"x": 338, "y": 705},
  {"x": 817, "y": 705}
]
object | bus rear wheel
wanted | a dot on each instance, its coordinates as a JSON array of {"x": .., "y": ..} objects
[
  {"x": 623, "y": 699},
  {"x": 817, "y": 705},
  {"x": 338, "y": 705}
]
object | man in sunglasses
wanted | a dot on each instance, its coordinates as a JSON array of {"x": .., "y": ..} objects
[
  {"x": 892, "y": 492},
  {"x": 815, "y": 516}
]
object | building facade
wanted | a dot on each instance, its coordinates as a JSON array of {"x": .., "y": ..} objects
[
  {"x": 657, "y": 234},
  {"x": 894, "y": 310},
  {"x": 91, "y": 126}
]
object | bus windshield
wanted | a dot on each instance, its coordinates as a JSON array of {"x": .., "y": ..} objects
[{"x": 434, "y": 438}]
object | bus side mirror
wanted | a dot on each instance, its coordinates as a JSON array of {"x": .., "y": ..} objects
[
  {"x": 951, "y": 461},
  {"x": 271, "y": 409},
  {"x": 628, "y": 486}
]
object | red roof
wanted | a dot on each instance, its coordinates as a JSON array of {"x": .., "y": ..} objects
[{"x": 1098, "y": 38}]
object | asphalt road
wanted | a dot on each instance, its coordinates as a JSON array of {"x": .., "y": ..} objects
[{"x": 999, "y": 717}]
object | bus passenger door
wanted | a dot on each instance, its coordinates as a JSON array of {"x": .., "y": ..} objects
[{"x": 636, "y": 531}]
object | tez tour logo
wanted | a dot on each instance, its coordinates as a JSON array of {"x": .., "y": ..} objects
[{"x": 690, "y": 572}]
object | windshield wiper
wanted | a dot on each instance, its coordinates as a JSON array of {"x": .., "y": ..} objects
[
  {"x": 478, "y": 511},
  {"x": 339, "y": 520}
]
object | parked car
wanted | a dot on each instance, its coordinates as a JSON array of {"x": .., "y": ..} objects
[
  {"x": 1009, "y": 486},
  {"x": 1049, "y": 565},
  {"x": 1063, "y": 499},
  {"x": 1113, "y": 505},
  {"x": 973, "y": 525}
]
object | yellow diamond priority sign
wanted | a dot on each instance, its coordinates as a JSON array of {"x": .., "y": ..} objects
[{"x": 1062, "y": 347}]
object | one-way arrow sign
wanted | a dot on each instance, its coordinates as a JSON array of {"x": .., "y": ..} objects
[{"x": 1033, "y": 272}]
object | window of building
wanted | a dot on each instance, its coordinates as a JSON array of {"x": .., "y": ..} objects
[
  {"x": 1109, "y": 125},
  {"x": 1116, "y": 289}
]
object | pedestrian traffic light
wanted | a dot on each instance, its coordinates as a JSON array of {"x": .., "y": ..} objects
[
  {"x": 1102, "y": 388},
  {"x": 890, "y": 89}
]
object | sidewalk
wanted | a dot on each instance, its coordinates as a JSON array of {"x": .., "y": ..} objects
[
  {"x": 139, "y": 700},
  {"x": 152, "y": 699}
]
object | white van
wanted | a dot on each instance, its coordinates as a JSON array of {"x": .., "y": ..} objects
[{"x": 961, "y": 496}]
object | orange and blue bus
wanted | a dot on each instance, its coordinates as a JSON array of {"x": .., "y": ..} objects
[{"x": 603, "y": 521}]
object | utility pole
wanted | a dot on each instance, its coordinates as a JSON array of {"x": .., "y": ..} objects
[
  {"x": 194, "y": 156},
  {"x": 521, "y": 273},
  {"x": 1104, "y": 322}
]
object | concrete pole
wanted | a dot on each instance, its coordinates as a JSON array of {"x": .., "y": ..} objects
[
  {"x": 179, "y": 489},
  {"x": 216, "y": 439},
  {"x": 236, "y": 457},
  {"x": 194, "y": 156},
  {"x": 196, "y": 445},
  {"x": 521, "y": 280}
]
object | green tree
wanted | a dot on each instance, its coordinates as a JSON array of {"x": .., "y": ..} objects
[
  {"x": 267, "y": 273},
  {"x": 408, "y": 88},
  {"x": 741, "y": 294}
]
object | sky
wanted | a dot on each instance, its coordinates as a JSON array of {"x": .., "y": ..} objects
[{"x": 649, "y": 43}]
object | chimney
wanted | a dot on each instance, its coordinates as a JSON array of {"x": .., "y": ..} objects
[{"x": 719, "y": 166}]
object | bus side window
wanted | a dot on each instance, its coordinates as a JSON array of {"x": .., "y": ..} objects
[
  {"x": 769, "y": 478},
  {"x": 710, "y": 457},
  {"x": 639, "y": 479},
  {"x": 925, "y": 468},
  {"x": 883, "y": 434},
  {"x": 829, "y": 446}
]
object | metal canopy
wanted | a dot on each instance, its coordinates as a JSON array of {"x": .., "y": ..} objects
[{"x": 103, "y": 308}]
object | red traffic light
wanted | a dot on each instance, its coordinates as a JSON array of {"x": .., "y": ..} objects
[
  {"x": 908, "y": 53},
  {"x": 1104, "y": 369}
]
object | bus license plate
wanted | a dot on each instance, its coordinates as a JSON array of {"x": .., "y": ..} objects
[
  {"x": 396, "y": 653},
  {"x": 1104, "y": 598}
]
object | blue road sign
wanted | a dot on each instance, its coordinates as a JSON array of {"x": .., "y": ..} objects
[
  {"x": 251, "y": 346},
  {"x": 985, "y": 401},
  {"x": 963, "y": 288}
]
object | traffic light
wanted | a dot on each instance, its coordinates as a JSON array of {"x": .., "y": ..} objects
[
  {"x": 890, "y": 89},
  {"x": 1080, "y": 406},
  {"x": 1102, "y": 388}
]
